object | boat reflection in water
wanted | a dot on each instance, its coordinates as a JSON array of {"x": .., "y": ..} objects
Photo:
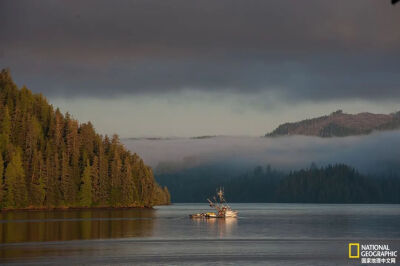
[
  {"x": 220, "y": 228},
  {"x": 223, "y": 210}
]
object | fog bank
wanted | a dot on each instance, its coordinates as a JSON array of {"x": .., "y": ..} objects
[{"x": 371, "y": 153}]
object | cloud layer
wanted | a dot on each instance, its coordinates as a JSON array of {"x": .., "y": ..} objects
[{"x": 296, "y": 50}]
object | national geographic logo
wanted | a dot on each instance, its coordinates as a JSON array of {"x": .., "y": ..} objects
[{"x": 372, "y": 253}]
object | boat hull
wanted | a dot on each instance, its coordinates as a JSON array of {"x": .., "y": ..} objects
[
  {"x": 231, "y": 214},
  {"x": 228, "y": 214}
]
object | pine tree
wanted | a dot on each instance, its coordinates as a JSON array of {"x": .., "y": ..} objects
[
  {"x": 17, "y": 195},
  {"x": 95, "y": 178},
  {"x": 67, "y": 183},
  {"x": 1, "y": 180},
  {"x": 129, "y": 194},
  {"x": 5, "y": 130},
  {"x": 104, "y": 180},
  {"x": 53, "y": 193},
  {"x": 58, "y": 128},
  {"x": 37, "y": 181},
  {"x": 116, "y": 167},
  {"x": 72, "y": 147},
  {"x": 85, "y": 197}
]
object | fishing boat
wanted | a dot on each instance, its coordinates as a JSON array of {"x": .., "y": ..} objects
[{"x": 222, "y": 209}]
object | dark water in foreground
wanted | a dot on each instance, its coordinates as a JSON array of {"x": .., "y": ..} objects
[{"x": 263, "y": 234}]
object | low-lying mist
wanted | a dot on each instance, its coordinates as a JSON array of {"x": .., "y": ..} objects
[{"x": 372, "y": 153}]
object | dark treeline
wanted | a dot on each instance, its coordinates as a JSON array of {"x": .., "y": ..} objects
[
  {"x": 337, "y": 184},
  {"x": 49, "y": 160},
  {"x": 331, "y": 184}
]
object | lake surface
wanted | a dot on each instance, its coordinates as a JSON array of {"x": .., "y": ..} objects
[{"x": 263, "y": 234}]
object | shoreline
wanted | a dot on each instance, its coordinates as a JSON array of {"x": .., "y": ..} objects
[{"x": 77, "y": 208}]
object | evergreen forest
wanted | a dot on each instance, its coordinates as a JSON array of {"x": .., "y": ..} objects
[{"x": 50, "y": 160}]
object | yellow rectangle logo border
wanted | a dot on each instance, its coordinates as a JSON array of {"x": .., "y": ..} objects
[{"x": 358, "y": 250}]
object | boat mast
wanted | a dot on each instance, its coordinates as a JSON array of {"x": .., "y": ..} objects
[
  {"x": 220, "y": 203},
  {"x": 220, "y": 194},
  {"x": 224, "y": 203}
]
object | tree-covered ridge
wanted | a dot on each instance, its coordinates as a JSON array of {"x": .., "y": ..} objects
[
  {"x": 331, "y": 184},
  {"x": 338, "y": 184},
  {"x": 339, "y": 124},
  {"x": 49, "y": 160}
]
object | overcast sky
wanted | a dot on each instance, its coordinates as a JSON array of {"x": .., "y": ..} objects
[{"x": 188, "y": 68}]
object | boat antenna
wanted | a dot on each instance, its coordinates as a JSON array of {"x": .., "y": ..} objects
[{"x": 220, "y": 194}]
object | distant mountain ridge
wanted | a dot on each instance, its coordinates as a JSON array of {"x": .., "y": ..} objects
[{"x": 339, "y": 124}]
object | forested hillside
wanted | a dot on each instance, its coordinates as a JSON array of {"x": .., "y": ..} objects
[
  {"x": 49, "y": 160},
  {"x": 337, "y": 184},
  {"x": 330, "y": 184},
  {"x": 339, "y": 124}
]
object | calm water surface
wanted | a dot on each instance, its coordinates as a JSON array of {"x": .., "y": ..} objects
[{"x": 263, "y": 234}]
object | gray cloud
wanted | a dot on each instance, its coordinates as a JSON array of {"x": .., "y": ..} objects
[{"x": 310, "y": 50}]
